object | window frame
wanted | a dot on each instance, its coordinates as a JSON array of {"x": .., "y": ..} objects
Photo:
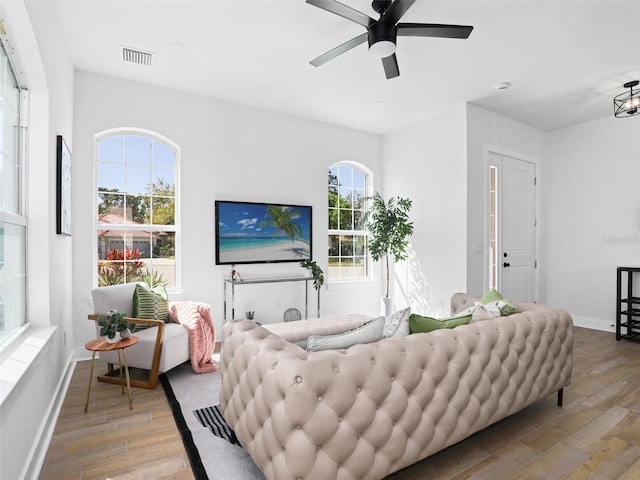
[
  {"x": 364, "y": 233},
  {"x": 175, "y": 228},
  {"x": 19, "y": 217}
]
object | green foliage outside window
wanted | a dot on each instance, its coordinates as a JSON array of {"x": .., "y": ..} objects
[
  {"x": 137, "y": 208},
  {"x": 347, "y": 229}
]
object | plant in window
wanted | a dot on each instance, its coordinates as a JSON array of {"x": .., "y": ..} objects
[
  {"x": 390, "y": 229},
  {"x": 120, "y": 266},
  {"x": 152, "y": 278}
]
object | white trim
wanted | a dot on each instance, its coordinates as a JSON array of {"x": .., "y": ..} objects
[
  {"x": 368, "y": 190},
  {"x": 47, "y": 429},
  {"x": 503, "y": 151},
  {"x": 601, "y": 324},
  {"x": 98, "y": 137}
]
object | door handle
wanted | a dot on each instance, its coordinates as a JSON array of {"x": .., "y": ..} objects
[{"x": 506, "y": 264}]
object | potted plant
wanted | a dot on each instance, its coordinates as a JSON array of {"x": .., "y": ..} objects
[
  {"x": 316, "y": 272},
  {"x": 390, "y": 229},
  {"x": 112, "y": 324}
]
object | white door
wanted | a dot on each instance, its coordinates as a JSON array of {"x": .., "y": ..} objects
[{"x": 516, "y": 223}]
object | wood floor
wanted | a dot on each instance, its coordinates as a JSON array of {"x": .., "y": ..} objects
[
  {"x": 596, "y": 435},
  {"x": 111, "y": 441}
]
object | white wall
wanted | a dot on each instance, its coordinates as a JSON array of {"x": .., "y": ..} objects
[
  {"x": 592, "y": 209},
  {"x": 228, "y": 152},
  {"x": 40, "y": 364},
  {"x": 427, "y": 163},
  {"x": 489, "y": 131}
]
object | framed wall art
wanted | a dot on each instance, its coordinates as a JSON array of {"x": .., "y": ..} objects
[{"x": 63, "y": 187}]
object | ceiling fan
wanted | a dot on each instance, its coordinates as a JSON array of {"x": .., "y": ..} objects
[{"x": 382, "y": 33}]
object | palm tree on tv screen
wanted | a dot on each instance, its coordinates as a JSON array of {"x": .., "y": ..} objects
[{"x": 283, "y": 219}]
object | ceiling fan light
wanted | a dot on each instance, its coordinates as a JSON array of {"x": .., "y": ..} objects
[{"x": 382, "y": 49}]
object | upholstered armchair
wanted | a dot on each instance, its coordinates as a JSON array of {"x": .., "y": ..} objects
[{"x": 160, "y": 347}]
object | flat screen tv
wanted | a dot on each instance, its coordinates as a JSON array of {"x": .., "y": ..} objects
[{"x": 248, "y": 232}]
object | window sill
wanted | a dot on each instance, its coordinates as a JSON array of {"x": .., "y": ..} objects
[
  {"x": 349, "y": 284},
  {"x": 19, "y": 355}
]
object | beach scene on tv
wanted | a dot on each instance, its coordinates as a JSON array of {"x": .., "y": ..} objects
[{"x": 255, "y": 232}]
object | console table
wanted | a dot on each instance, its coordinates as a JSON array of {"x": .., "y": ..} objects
[
  {"x": 255, "y": 280},
  {"x": 629, "y": 318}
]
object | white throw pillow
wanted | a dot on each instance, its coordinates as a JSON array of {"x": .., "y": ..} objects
[
  {"x": 488, "y": 311},
  {"x": 366, "y": 333},
  {"x": 397, "y": 325}
]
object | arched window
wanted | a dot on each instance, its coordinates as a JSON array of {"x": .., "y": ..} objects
[
  {"x": 348, "y": 188},
  {"x": 137, "y": 198}
]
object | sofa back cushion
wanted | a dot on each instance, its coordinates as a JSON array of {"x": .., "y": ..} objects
[{"x": 367, "y": 333}]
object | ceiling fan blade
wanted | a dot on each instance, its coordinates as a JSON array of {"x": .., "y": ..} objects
[
  {"x": 343, "y": 11},
  {"x": 390, "y": 65},
  {"x": 433, "y": 30},
  {"x": 397, "y": 10},
  {"x": 339, "y": 50}
]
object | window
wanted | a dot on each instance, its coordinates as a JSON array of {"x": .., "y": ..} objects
[
  {"x": 136, "y": 228},
  {"x": 13, "y": 220},
  {"x": 493, "y": 227},
  {"x": 348, "y": 190}
]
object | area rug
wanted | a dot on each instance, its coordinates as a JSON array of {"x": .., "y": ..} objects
[
  {"x": 212, "y": 457},
  {"x": 212, "y": 418}
]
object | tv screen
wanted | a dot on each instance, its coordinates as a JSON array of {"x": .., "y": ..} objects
[{"x": 248, "y": 232}]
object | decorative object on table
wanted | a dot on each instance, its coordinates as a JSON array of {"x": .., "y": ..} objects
[
  {"x": 63, "y": 187},
  {"x": 316, "y": 272},
  {"x": 235, "y": 274},
  {"x": 291, "y": 315},
  {"x": 627, "y": 104},
  {"x": 250, "y": 314},
  {"x": 390, "y": 228},
  {"x": 113, "y": 326}
]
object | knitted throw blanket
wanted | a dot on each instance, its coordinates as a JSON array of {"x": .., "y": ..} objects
[{"x": 196, "y": 318}]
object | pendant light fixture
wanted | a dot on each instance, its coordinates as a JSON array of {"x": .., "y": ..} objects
[{"x": 627, "y": 104}]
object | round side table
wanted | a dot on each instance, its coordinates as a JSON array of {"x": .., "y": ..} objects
[{"x": 101, "y": 345}]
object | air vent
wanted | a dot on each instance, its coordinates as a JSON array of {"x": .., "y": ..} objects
[{"x": 134, "y": 55}]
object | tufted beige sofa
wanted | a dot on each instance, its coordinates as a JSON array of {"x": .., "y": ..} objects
[{"x": 370, "y": 410}]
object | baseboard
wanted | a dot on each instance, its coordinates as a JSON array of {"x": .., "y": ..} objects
[
  {"x": 32, "y": 470},
  {"x": 594, "y": 323}
]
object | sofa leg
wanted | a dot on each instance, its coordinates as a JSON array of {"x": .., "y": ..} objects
[{"x": 560, "y": 393}]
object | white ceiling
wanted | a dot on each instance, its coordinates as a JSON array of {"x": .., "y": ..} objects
[{"x": 565, "y": 59}]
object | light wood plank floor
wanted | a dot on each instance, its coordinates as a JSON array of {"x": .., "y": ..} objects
[{"x": 596, "y": 435}]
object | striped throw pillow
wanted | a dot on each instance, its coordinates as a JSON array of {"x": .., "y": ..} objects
[{"x": 150, "y": 304}]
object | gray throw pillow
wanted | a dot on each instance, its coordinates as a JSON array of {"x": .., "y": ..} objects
[
  {"x": 366, "y": 333},
  {"x": 397, "y": 325}
]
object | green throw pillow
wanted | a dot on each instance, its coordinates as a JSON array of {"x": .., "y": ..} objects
[
  {"x": 420, "y": 324},
  {"x": 150, "y": 304},
  {"x": 494, "y": 296}
]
